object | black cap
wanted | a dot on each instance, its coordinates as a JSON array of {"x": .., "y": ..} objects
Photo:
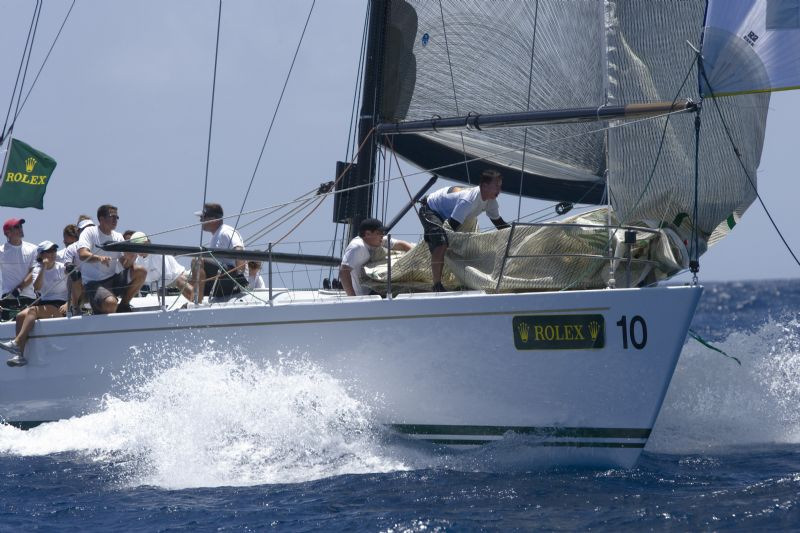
[
  {"x": 210, "y": 211},
  {"x": 370, "y": 224}
]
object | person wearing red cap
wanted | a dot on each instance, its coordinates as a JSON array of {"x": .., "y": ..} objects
[
  {"x": 17, "y": 259},
  {"x": 50, "y": 282}
]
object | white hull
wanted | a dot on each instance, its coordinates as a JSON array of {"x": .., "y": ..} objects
[{"x": 445, "y": 367}]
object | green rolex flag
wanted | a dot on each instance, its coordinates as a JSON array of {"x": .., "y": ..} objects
[{"x": 25, "y": 176}]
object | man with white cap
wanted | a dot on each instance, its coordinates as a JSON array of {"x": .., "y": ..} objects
[
  {"x": 222, "y": 275},
  {"x": 50, "y": 281},
  {"x": 174, "y": 274},
  {"x": 17, "y": 259}
]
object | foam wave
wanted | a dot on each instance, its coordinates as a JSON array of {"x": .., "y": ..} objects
[
  {"x": 214, "y": 419},
  {"x": 713, "y": 402}
]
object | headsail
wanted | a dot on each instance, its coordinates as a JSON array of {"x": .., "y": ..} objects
[
  {"x": 651, "y": 180},
  {"x": 751, "y": 46}
]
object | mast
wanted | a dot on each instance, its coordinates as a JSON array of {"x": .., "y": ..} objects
[{"x": 368, "y": 117}]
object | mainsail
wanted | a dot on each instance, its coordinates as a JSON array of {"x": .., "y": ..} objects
[{"x": 455, "y": 57}]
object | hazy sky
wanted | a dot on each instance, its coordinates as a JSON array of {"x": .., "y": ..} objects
[{"x": 123, "y": 106}]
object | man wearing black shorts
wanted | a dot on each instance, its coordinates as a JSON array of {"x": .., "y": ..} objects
[
  {"x": 219, "y": 276},
  {"x": 107, "y": 275},
  {"x": 457, "y": 206}
]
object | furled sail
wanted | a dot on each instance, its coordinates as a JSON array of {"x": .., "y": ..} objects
[
  {"x": 455, "y": 57},
  {"x": 751, "y": 46}
]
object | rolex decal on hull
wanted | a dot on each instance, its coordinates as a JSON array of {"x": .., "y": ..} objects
[{"x": 559, "y": 332}]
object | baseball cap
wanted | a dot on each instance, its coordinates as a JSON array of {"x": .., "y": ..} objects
[
  {"x": 85, "y": 223},
  {"x": 45, "y": 246},
  {"x": 11, "y": 222},
  {"x": 210, "y": 211},
  {"x": 139, "y": 237}
]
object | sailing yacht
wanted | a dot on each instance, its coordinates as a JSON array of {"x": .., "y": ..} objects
[{"x": 559, "y": 334}]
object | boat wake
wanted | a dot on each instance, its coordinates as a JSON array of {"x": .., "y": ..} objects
[
  {"x": 215, "y": 419},
  {"x": 713, "y": 402}
]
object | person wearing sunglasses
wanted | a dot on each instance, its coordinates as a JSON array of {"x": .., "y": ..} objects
[
  {"x": 17, "y": 259},
  {"x": 107, "y": 275}
]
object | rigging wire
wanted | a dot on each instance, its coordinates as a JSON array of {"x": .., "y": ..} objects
[
  {"x": 3, "y": 132},
  {"x": 620, "y": 222},
  {"x": 28, "y": 60},
  {"x": 44, "y": 62},
  {"x": 424, "y": 171},
  {"x": 744, "y": 168},
  {"x": 453, "y": 82},
  {"x": 527, "y": 107},
  {"x": 277, "y": 108},
  {"x": 351, "y": 131},
  {"x": 211, "y": 114}
]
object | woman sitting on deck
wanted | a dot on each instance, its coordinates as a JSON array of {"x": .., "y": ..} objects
[{"x": 50, "y": 281}]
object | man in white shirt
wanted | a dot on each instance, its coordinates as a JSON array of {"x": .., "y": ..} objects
[
  {"x": 72, "y": 261},
  {"x": 50, "y": 281},
  {"x": 17, "y": 259},
  {"x": 457, "y": 206},
  {"x": 224, "y": 276},
  {"x": 174, "y": 274},
  {"x": 359, "y": 252},
  {"x": 107, "y": 275}
]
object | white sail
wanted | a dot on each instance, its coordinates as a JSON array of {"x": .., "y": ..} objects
[{"x": 751, "y": 46}]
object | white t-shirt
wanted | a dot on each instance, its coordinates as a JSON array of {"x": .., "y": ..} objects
[
  {"x": 226, "y": 237},
  {"x": 92, "y": 238},
  {"x": 70, "y": 255},
  {"x": 463, "y": 206},
  {"x": 173, "y": 269},
  {"x": 356, "y": 255},
  {"x": 16, "y": 262},
  {"x": 255, "y": 282},
  {"x": 54, "y": 284}
]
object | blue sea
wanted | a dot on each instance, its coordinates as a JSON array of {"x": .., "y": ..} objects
[{"x": 725, "y": 452}]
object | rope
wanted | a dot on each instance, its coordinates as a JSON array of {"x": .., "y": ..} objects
[
  {"x": 28, "y": 60},
  {"x": 4, "y": 132},
  {"x": 211, "y": 115},
  {"x": 693, "y": 334},
  {"x": 46, "y": 57},
  {"x": 359, "y": 79},
  {"x": 652, "y": 170},
  {"x": 744, "y": 168},
  {"x": 418, "y": 173},
  {"x": 275, "y": 113}
]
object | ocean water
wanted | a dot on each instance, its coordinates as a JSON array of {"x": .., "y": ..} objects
[{"x": 217, "y": 444}]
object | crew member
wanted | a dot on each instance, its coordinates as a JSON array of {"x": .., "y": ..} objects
[
  {"x": 221, "y": 275},
  {"x": 457, "y": 206},
  {"x": 107, "y": 275},
  {"x": 359, "y": 252}
]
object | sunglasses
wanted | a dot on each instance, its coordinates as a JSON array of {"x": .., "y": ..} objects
[{"x": 18, "y": 226}]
